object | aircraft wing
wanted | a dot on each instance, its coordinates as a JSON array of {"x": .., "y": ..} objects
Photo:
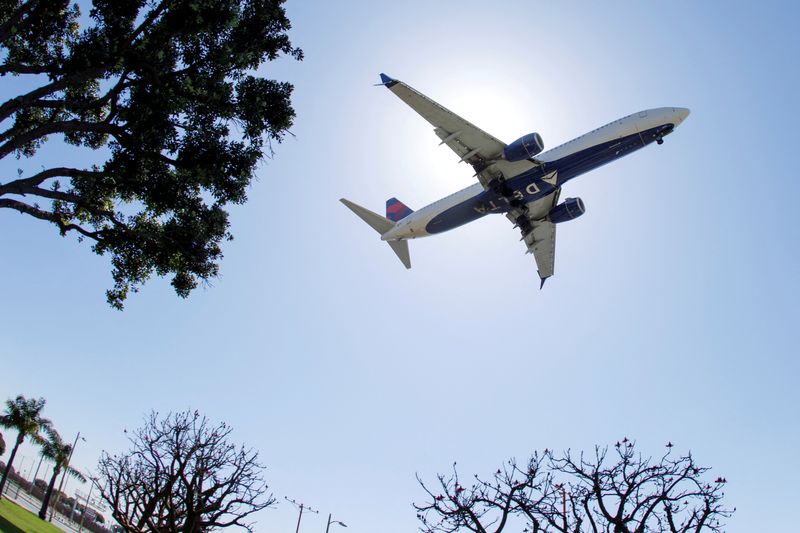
[
  {"x": 538, "y": 232},
  {"x": 472, "y": 144}
]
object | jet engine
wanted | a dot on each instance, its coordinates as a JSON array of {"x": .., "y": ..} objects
[
  {"x": 570, "y": 209},
  {"x": 524, "y": 148}
]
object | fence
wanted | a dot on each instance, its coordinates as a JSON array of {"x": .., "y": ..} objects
[{"x": 31, "y": 495}]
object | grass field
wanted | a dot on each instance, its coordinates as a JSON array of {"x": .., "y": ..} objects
[{"x": 15, "y": 519}]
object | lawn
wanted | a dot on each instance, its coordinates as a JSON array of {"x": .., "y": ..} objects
[{"x": 15, "y": 519}]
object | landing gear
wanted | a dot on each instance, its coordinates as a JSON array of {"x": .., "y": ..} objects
[
  {"x": 659, "y": 141},
  {"x": 524, "y": 225},
  {"x": 499, "y": 187}
]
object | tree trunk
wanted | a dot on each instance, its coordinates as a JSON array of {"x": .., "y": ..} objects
[
  {"x": 46, "y": 502},
  {"x": 20, "y": 438}
]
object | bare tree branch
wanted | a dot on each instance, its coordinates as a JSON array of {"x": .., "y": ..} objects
[
  {"x": 568, "y": 493},
  {"x": 182, "y": 474}
]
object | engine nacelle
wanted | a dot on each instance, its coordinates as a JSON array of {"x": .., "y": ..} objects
[
  {"x": 570, "y": 209},
  {"x": 524, "y": 148}
]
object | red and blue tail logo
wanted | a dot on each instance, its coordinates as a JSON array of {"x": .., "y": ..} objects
[{"x": 396, "y": 210}]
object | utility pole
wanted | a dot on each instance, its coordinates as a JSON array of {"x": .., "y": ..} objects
[{"x": 302, "y": 507}]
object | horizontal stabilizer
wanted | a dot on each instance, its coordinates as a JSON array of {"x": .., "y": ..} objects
[
  {"x": 378, "y": 223},
  {"x": 381, "y": 225}
]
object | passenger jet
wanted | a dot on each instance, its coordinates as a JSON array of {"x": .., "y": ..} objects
[{"x": 518, "y": 180}]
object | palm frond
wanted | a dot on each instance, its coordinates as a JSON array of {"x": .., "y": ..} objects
[{"x": 76, "y": 474}]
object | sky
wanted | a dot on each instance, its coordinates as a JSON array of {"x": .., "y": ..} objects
[{"x": 672, "y": 315}]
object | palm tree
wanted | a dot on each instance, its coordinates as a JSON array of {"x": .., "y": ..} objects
[
  {"x": 25, "y": 416},
  {"x": 60, "y": 452}
]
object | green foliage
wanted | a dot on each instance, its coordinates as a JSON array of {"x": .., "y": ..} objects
[
  {"x": 168, "y": 89},
  {"x": 25, "y": 417},
  {"x": 59, "y": 453}
]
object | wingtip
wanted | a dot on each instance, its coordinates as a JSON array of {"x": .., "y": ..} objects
[
  {"x": 386, "y": 80},
  {"x": 541, "y": 285}
]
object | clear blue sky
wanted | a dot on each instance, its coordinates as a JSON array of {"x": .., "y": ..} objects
[{"x": 672, "y": 315}]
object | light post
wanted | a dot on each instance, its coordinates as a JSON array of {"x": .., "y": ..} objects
[
  {"x": 21, "y": 473},
  {"x": 333, "y": 522},
  {"x": 64, "y": 475},
  {"x": 41, "y": 458},
  {"x": 86, "y": 507}
]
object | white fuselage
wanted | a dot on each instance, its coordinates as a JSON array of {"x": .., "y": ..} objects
[{"x": 414, "y": 225}]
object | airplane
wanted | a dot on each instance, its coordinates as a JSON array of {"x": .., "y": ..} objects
[{"x": 519, "y": 179}]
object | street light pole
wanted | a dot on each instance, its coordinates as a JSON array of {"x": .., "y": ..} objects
[
  {"x": 41, "y": 458},
  {"x": 334, "y": 522},
  {"x": 64, "y": 475},
  {"x": 85, "y": 507},
  {"x": 21, "y": 473}
]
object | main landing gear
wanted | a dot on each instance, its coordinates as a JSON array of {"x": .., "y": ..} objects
[
  {"x": 501, "y": 188},
  {"x": 659, "y": 141},
  {"x": 524, "y": 225}
]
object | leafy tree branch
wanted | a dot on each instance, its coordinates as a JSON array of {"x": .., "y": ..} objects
[{"x": 165, "y": 93}]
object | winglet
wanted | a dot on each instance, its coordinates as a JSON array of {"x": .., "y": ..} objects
[
  {"x": 542, "y": 283},
  {"x": 387, "y": 81}
]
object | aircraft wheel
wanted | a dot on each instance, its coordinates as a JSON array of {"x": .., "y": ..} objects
[{"x": 496, "y": 186}]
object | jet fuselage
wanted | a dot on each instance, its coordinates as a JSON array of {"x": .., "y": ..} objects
[{"x": 558, "y": 165}]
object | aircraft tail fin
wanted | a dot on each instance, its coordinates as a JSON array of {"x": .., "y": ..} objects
[
  {"x": 381, "y": 225},
  {"x": 397, "y": 210}
]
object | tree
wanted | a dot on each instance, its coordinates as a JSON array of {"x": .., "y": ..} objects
[
  {"x": 155, "y": 88},
  {"x": 619, "y": 492},
  {"x": 182, "y": 473},
  {"x": 60, "y": 452},
  {"x": 24, "y": 416}
]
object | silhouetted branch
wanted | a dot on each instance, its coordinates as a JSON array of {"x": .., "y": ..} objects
[
  {"x": 182, "y": 474},
  {"x": 629, "y": 494}
]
